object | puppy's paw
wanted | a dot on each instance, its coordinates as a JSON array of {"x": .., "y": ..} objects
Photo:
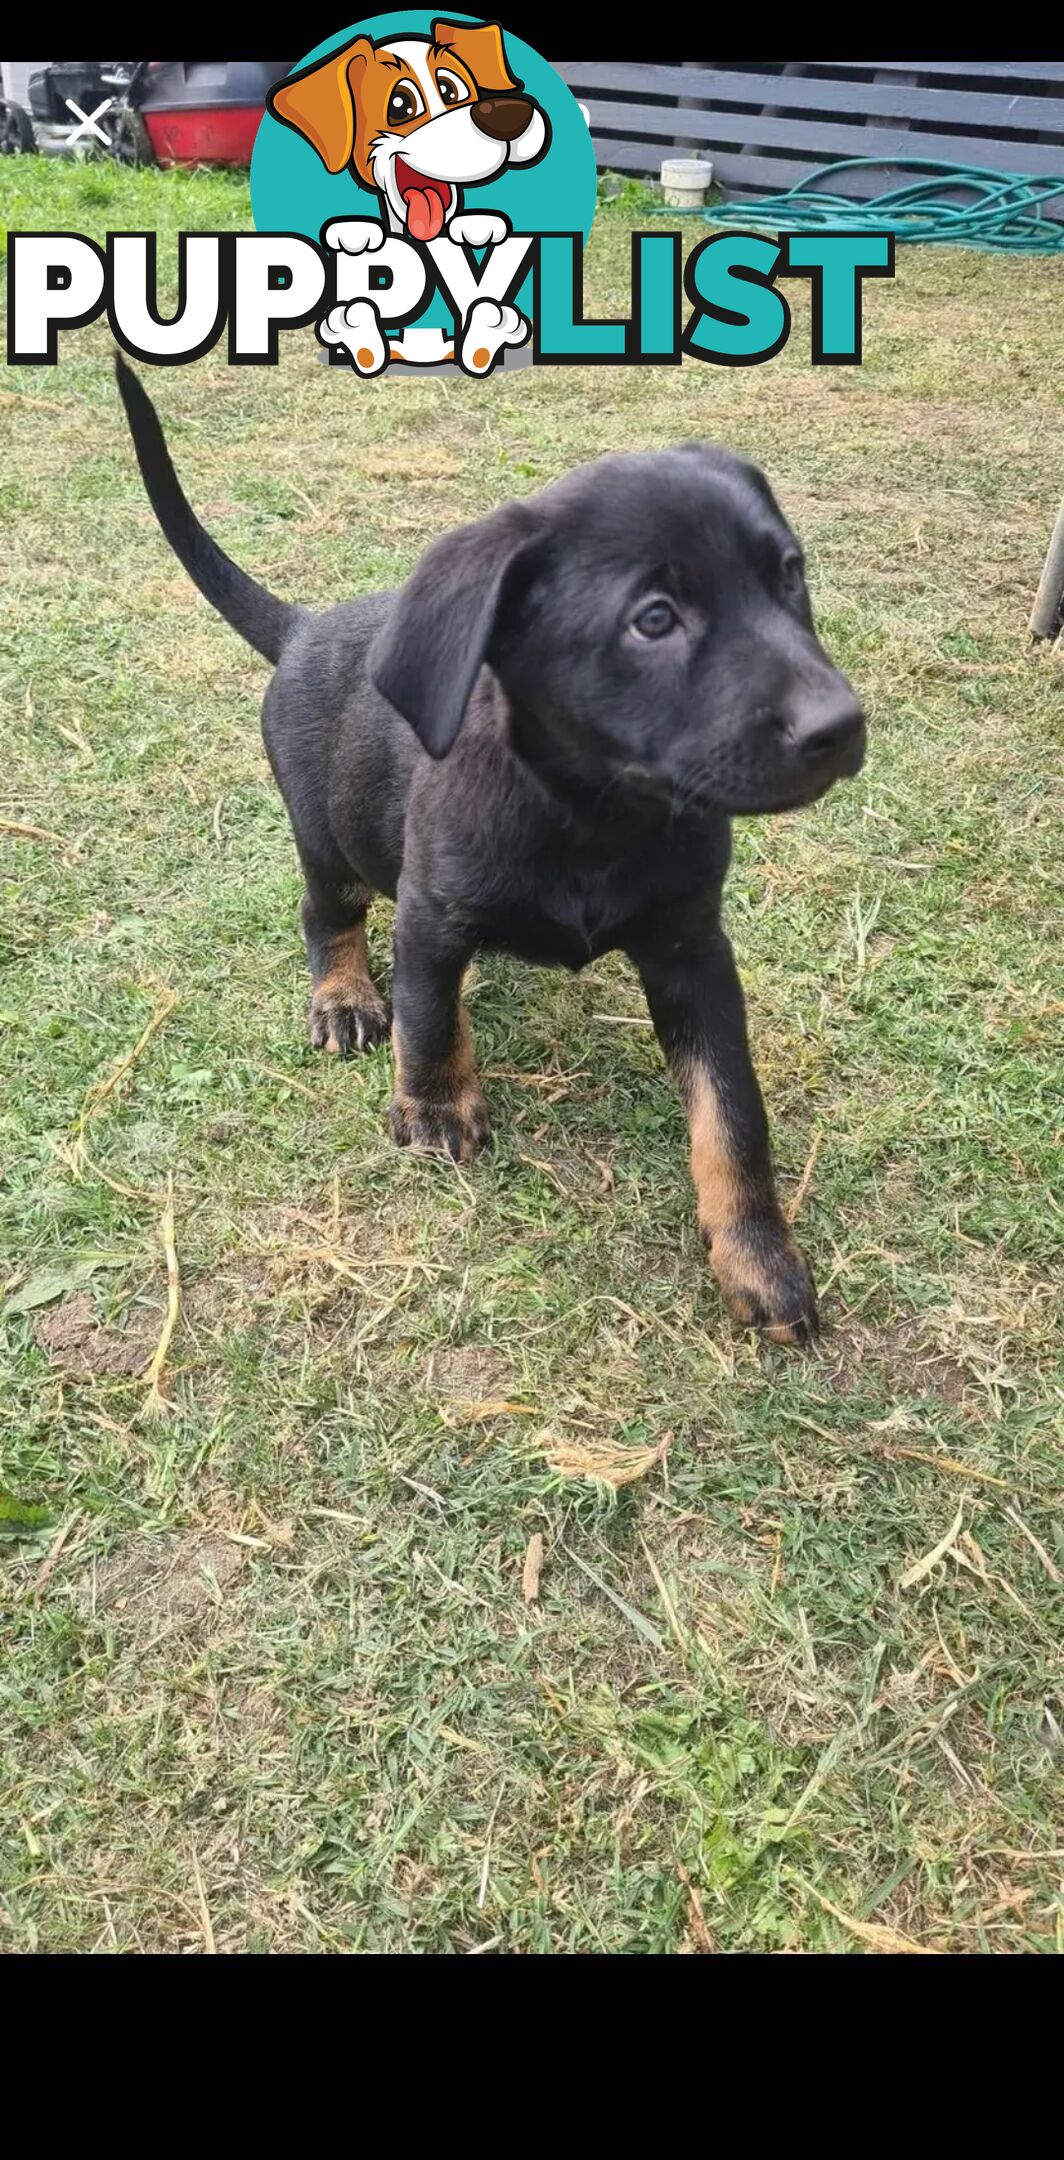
[
  {"x": 342, "y": 1022},
  {"x": 357, "y": 328},
  {"x": 489, "y": 326},
  {"x": 458, "y": 1126},
  {"x": 478, "y": 228},
  {"x": 353, "y": 236},
  {"x": 765, "y": 1281}
]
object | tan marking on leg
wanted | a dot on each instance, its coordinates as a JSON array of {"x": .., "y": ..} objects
[
  {"x": 454, "y": 1081},
  {"x": 348, "y": 972},
  {"x": 714, "y": 1170},
  {"x": 452, "y": 1094},
  {"x": 753, "y": 1255},
  {"x": 461, "y": 1066},
  {"x": 397, "y": 1060},
  {"x": 346, "y": 987}
]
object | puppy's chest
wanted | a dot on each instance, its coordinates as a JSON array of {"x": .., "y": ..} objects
[{"x": 565, "y": 917}]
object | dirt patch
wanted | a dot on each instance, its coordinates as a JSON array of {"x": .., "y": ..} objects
[
  {"x": 897, "y": 1352},
  {"x": 468, "y": 1374},
  {"x": 73, "y": 1336},
  {"x": 227, "y": 1299},
  {"x": 166, "y": 1582},
  {"x": 916, "y": 1364}
]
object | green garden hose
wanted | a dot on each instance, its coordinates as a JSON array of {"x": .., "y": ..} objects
[{"x": 1003, "y": 211}]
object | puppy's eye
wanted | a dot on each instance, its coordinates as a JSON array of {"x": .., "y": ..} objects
[
  {"x": 404, "y": 104},
  {"x": 451, "y": 90},
  {"x": 792, "y": 576},
  {"x": 654, "y": 621}
]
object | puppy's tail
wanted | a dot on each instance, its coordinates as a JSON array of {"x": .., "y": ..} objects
[{"x": 264, "y": 621}]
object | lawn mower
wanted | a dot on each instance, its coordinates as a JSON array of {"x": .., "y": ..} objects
[{"x": 163, "y": 112}]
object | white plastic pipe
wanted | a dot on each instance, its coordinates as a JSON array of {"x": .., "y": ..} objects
[{"x": 684, "y": 181}]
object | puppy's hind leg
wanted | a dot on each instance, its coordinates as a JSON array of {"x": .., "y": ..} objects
[{"x": 347, "y": 1011}]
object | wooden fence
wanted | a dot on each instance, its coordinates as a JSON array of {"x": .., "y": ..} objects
[{"x": 767, "y": 124}]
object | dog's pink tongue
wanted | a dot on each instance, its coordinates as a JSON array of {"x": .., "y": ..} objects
[{"x": 424, "y": 213}]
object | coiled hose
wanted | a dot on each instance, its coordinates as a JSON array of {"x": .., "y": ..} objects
[{"x": 1003, "y": 211}]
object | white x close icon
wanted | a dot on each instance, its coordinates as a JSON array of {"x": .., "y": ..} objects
[{"x": 88, "y": 120}]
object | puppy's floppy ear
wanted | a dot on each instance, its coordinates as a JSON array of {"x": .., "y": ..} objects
[
  {"x": 480, "y": 46},
  {"x": 449, "y": 618},
  {"x": 319, "y": 103}
]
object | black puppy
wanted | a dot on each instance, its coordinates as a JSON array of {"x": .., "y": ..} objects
[{"x": 595, "y": 681}]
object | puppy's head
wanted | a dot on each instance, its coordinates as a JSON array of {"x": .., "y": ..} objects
[
  {"x": 416, "y": 117},
  {"x": 649, "y": 620}
]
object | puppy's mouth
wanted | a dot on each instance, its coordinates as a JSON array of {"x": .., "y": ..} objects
[
  {"x": 744, "y": 791},
  {"x": 751, "y": 797},
  {"x": 426, "y": 201}
]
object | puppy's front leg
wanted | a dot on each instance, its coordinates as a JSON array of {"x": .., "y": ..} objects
[
  {"x": 437, "y": 1103},
  {"x": 696, "y": 1003}
]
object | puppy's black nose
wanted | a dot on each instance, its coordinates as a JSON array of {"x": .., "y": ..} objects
[
  {"x": 503, "y": 118},
  {"x": 830, "y": 730}
]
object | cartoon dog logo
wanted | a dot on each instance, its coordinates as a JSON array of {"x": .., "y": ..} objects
[{"x": 418, "y": 119}]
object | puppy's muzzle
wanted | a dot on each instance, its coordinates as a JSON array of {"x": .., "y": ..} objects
[
  {"x": 828, "y": 732},
  {"x": 503, "y": 118}
]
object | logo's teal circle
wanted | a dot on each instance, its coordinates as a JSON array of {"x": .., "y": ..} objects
[{"x": 292, "y": 192}]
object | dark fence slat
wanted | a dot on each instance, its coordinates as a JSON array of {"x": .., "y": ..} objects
[
  {"x": 738, "y": 175},
  {"x": 1050, "y": 71},
  {"x": 893, "y": 100},
  {"x": 823, "y": 138},
  {"x": 771, "y": 140}
]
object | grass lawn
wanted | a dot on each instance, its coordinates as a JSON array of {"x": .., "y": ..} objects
[{"x": 269, "y": 1679}]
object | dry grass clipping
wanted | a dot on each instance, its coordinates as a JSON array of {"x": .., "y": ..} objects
[
  {"x": 921, "y": 1568},
  {"x": 602, "y": 1461},
  {"x": 533, "y": 1568},
  {"x": 797, "y": 1202},
  {"x": 872, "y": 1932},
  {"x": 209, "y": 1944},
  {"x": 17, "y": 831},
  {"x": 102, "y": 1089},
  {"x": 696, "y": 1919},
  {"x": 155, "y": 1402}
]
